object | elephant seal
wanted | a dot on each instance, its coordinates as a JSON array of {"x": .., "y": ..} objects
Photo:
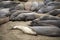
[
  {"x": 48, "y": 1},
  {"x": 8, "y": 4},
  {"x": 23, "y": 16},
  {"x": 26, "y": 16},
  {"x": 57, "y": 0},
  {"x": 46, "y": 20},
  {"x": 19, "y": 6},
  {"x": 48, "y": 17},
  {"x": 46, "y": 9},
  {"x": 15, "y": 13},
  {"x": 45, "y": 23},
  {"x": 32, "y": 16},
  {"x": 54, "y": 12},
  {"x": 40, "y": 30},
  {"x": 54, "y": 4},
  {"x": 4, "y": 12},
  {"x": 36, "y": 6}
]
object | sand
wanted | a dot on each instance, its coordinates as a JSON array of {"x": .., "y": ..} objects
[{"x": 7, "y": 34}]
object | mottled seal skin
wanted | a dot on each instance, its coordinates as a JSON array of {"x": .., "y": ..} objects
[
  {"x": 3, "y": 0},
  {"x": 19, "y": 6},
  {"x": 24, "y": 16},
  {"x": 48, "y": 1},
  {"x": 40, "y": 5},
  {"x": 15, "y": 13},
  {"x": 46, "y": 20},
  {"x": 8, "y": 4},
  {"x": 32, "y": 16},
  {"x": 57, "y": 0},
  {"x": 54, "y": 4},
  {"x": 4, "y": 12},
  {"x": 36, "y": 6},
  {"x": 4, "y": 20},
  {"x": 46, "y": 9},
  {"x": 54, "y": 12},
  {"x": 45, "y": 23},
  {"x": 40, "y": 30},
  {"x": 48, "y": 30},
  {"x": 48, "y": 17}
]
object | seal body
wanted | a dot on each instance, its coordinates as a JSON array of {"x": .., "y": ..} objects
[
  {"x": 8, "y": 4},
  {"x": 46, "y": 9},
  {"x": 4, "y": 12},
  {"x": 54, "y": 12},
  {"x": 40, "y": 30}
]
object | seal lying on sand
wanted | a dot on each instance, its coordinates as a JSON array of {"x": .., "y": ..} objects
[
  {"x": 54, "y": 12},
  {"x": 32, "y": 16},
  {"x": 8, "y": 4},
  {"x": 45, "y": 23},
  {"x": 46, "y": 9},
  {"x": 40, "y": 30},
  {"x": 4, "y": 12},
  {"x": 25, "y": 16}
]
